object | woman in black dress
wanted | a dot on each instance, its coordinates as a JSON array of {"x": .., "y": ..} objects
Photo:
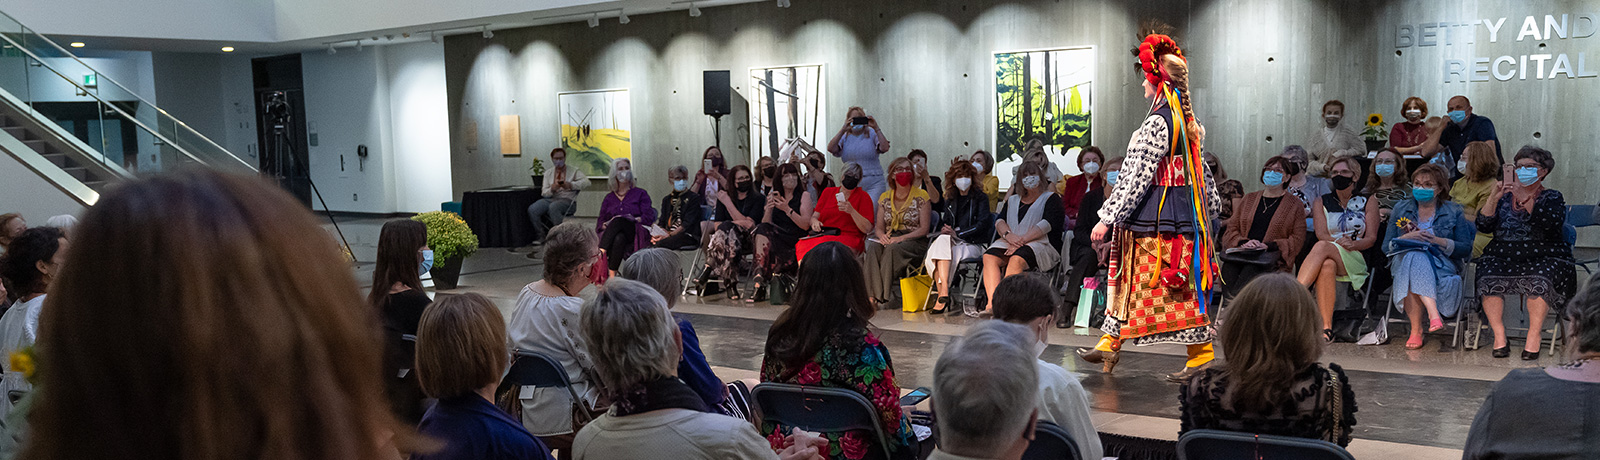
[
  {"x": 738, "y": 212},
  {"x": 403, "y": 255},
  {"x": 1529, "y": 255},
  {"x": 784, "y": 220}
]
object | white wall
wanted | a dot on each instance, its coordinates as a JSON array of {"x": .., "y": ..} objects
[
  {"x": 41, "y": 201},
  {"x": 421, "y": 137},
  {"x": 238, "y": 20}
]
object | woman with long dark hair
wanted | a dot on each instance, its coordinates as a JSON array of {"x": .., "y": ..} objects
[
  {"x": 738, "y": 212},
  {"x": 1271, "y": 382},
  {"x": 784, "y": 220},
  {"x": 824, "y": 339},
  {"x": 397, "y": 296}
]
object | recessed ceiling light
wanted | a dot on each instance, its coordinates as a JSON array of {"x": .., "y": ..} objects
[
  {"x": 227, "y": 49},
  {"x": 77, "y": 44}
]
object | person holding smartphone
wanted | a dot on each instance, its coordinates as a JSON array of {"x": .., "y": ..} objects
[
  {"x": 860, "y": 141},
  {"x": 710, "y": 179}
]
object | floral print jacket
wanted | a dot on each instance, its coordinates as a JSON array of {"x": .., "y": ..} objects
[{"x": 856, "y": 360}]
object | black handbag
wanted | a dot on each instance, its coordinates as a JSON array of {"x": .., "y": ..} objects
[{"x": 1252, "y": 257}]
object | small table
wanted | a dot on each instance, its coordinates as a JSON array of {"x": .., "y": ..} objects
[{"x": 499, "y": 216}]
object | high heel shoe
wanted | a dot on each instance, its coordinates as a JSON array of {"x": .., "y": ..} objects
[
  {"x": 1502, "y": 352},
  {"x": 1530, "y": 355},
  {"x": 733, "y": 290},
  {"x": 1185, "y": 374},
  {"x": 1111, "y": 360},
  {"x": 939, "y": 305},
  {"x": 1091, "y": 355}
]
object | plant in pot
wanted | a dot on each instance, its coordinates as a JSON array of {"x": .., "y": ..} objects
[
  {"x": 538, "y": 173},
  {"x": 1375, "y": 135},
  {"x": 451, "y": 241}
]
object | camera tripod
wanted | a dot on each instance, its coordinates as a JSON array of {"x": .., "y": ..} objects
[{"x": 281, "y": 148}]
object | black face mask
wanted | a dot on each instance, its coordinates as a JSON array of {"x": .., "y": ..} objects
[
  {"x": 743, "y": 185},
  {"x": 850, "y": 182},
  {"x": 769, "y": 171},
  {"x": 716, "y": 162},
  {"x": 1342, "y": 182}
]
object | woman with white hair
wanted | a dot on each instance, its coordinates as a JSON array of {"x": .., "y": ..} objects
[
  {"x": 661, "y": 269},
  {"x": 654, "y": 414},
  {"x": 623, "y": 216}
]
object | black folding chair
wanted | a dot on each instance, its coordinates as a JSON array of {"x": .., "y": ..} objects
[
  {"x": 533, "y": 369},
  {"x": 1230, "y": 445},
  {"x": 818, "y": 409},
  {"x": 1051, "y": 442}
]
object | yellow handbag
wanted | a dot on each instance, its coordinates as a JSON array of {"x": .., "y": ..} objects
[{"x": 914, "y": 292}]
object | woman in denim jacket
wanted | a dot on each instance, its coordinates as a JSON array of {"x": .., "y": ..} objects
[{"x": 1426, "y": 237}]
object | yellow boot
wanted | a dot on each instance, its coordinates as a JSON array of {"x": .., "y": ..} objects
[{"x": 1106, "y": 353}]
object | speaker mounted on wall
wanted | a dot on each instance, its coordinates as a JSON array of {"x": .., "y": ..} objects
[{"x": 718, "y": 93}]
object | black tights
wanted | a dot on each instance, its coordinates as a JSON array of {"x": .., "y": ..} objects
[{"x": 617, "y": 241}]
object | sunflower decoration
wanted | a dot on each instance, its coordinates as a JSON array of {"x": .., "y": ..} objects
[
  {"x": 1405, "y": 224},
  {"x": 25, "y": 362},
  {"x": 1375, "y": 128}
]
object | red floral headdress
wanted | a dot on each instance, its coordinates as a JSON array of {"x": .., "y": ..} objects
[{"x": 1150, "y": 52}]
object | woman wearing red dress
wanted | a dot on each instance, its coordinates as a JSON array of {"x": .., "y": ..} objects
[{"x": 853, "y": 222}]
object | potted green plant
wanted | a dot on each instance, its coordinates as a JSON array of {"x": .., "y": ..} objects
[
  {"x": 451, "y": 241},
  {"x": 538, "y": 173},
  {"x": 1375, "y": 135}
]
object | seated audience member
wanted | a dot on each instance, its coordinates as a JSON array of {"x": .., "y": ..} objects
[
  {"x": 32, "y": 266},
  {"x": 681, "y": 213},
  {"x": 1028, "y": 300},
  {"x": 1388, "y": 182},
  {"x": 1464, "y": 127},
  {"x": 817, "y": 178},
  {"x": 65, "y": 222},
  {"x": 1305, "y": 187},
  {"x": 1529, "y": 256},
  {"x": 1227, "y": 189},
  {"x": 1332, "y": 141},
  {"x": 1028, "y": 236},
  {"x": 843, "y": 214},
  {"x": 461, "y": 354},
  {"x": 738, "y": 209},
  {"x": 1266, "y": 225},
  {"x": 1425, "y": 238},
  {"x": 1346, "y": 223},
  {"x": 991, "y": 184},
  {"x": 1085, "y": 254},
  {"x": 625, "y": 215},
  {"x": 1407, "y": 137},
  {"x": 966, "y": 224},
  {"x": 1092, "y": 163},
  {"x": 1547, "y": 413},
  {"x": 545, "y": 321},
  {"x": 661, "y": 270},
  {"x": 862, "y": 143},
  {"x": 712, "y": 177},
  {"x": 923, "y": 179},
  {"x": 985, "y": 390},
  {"x": 784, "y": 220},
  {"x": 653, "y": 413},
  {"x": 398, "y": 297},
  {"x": 207, "y": 316},
  {"x": 766, "y": 170},
  {"x": 1053, "y": 176},
  {"x": 560, "y": 192},
  {"x": 1270, "y": 381},
  {"x": 823, "y": 339},
  {"x": 1480, "y": 173},
  {"x": 901, "y": 238},
  {"x": 11, "y": 227}
]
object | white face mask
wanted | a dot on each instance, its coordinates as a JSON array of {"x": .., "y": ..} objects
[
  {"x": 1091, "y": 167},
  {"x": 1461, "y": 165},
  {"x": 978, "y": 166},
  {"x": 1414, "y": 113},
  {"x": 1030, "y": 182},
  {"x": 962, "y": 183}
]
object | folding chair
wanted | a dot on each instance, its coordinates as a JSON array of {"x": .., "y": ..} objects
[
  {"x": 533, "y": 369},
  {"x": 1051, "y": 442},
  {"x": 1579, "y": 216},
  {"x": 1219, "y": 445},
  {"x": 410, "y": 342},
  {"x": 818, "y": 409}
]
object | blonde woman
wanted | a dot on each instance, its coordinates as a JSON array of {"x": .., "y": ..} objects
[{"x": 1479, "y": 169}]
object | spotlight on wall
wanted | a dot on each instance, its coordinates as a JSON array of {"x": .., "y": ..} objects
[
  {"x": 331, "y": 50},
  {"x": 77, "y": 44},
  {"x": 694, "y": 10},
  {"x": 622, "y": 17},
  {"x": 594, "y": 20},
  {"x": 227, "y": 49},
  {"x": 487, "y": 33},
  {"x": 784, "y": 3}
]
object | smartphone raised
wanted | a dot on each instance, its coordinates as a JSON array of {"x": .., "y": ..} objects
[
  {"x": 707, "y": 165},
  {"x": 862, "y": 121},
  {"x": 915, "y": 396}
]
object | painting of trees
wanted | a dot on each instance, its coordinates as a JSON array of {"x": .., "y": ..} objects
[{"x": 1045, "y": 95}]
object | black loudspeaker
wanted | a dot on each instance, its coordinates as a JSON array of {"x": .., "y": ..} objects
[{"x": 718, "y": 92}]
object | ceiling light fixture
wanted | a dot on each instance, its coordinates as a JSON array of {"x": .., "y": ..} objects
[
  {"x": 622, "y": 17},
  {"x": 694, "y": 11},
  {"x": 594, "y": 20},
  {"x": 487, "y": 33},
  {"x": 77, "y": 44},
  {"x": 331, "y": 50},
  {"x": 227, "y": 49}
]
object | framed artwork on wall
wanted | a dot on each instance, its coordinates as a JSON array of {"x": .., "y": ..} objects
[
  {"x": 1044, "y": 97},
  {"x": 786, "y": 103},
  {"x": 596, "y": 128}
]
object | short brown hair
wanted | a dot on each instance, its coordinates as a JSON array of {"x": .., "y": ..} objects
[
  {"x": 1024, "y": 297},
  {"x": 960, "y": 169},
  {"x": 1414, "y": 101},
  {"x": 1400, "y": 177},
  {"x": 1332, "y": 103},
  {"x": 1482, "y": 164},
  {"x": 1439, "y": 176},
  {"x": 461, "y": 345}
]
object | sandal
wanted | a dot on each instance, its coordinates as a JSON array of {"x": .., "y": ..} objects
[
  {"x": 1327, "y": 335},
  {"x": 1414, "y": 343},
  {"x": 1435, "y": 324}
]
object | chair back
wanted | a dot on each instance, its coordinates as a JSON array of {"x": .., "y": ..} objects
[
  {"x": 533, "y": 369},
  {"x": 818, "y": 409},
  {"x": 1582, "y": 215},
  {"x": 1051, "y": 442},
  {"x": 1219, "y": 445}
]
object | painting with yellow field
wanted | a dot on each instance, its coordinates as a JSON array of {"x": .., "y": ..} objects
[{"x": 596, "y": 128}]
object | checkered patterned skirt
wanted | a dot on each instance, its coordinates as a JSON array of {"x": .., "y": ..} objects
[{"x": 1150, "y": 313}]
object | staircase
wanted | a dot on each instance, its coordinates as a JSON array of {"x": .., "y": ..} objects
[{"x": 75, "y": 165}]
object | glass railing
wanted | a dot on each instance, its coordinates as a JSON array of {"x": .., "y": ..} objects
[{"x": 121, "y": 129}]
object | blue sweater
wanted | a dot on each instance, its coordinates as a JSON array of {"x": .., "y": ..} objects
[
  {"x": 696, "y": 372},
  {"x": 473, "y": 429}
]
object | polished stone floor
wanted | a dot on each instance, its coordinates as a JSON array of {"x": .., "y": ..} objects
[{"x": 1417, "y": 403}]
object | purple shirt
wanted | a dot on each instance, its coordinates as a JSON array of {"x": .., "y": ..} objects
[{"x": 635, "y": 205}]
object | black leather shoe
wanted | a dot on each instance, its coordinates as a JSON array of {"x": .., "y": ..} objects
[
  {"x": 1530, "y": 355},
  {"x": 1501, "y": 352},
  {"x": 1183, "y": 375}
]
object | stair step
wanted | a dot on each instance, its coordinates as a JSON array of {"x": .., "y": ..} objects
[
  {"x": 78, "y": 172},
  {"x": 18, "y": 132},
  {"x": 58, "y": 159},
  {"x": 96, "y": 185},
  {"x": 41, "y": 146}
]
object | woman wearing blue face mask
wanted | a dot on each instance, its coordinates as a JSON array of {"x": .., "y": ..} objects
[
  {"x": 1529, "y": 255},
  {"x": 681, "y": 213},
  {"x": 1265, "y": 226},
  {"x": 1427, "y": 239},
  {"x": 397, "y": 294}
]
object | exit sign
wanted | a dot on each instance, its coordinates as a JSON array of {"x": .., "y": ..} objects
[{"x": 91, "y": 80}]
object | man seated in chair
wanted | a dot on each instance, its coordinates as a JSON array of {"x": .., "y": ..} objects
[
  {"x": 560, "y": 194},
  {"x": 1027, "y": 300},
  {"x": 985, "y": 394}
]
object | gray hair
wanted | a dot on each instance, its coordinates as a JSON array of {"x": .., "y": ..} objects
[
  {"x": 566, "y": 249},
  {"x": 629, "y": 334},
  {"x": 65, "y": 222},
  {"x": 612, "y": 182},
  {"x": 985, "y": 388},
  {"x": 852, "y": 169},
  {"x": 1296, "y": 153},
  {"x": 679, "y": 171},
  {"x": 659, "y": 268}
]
